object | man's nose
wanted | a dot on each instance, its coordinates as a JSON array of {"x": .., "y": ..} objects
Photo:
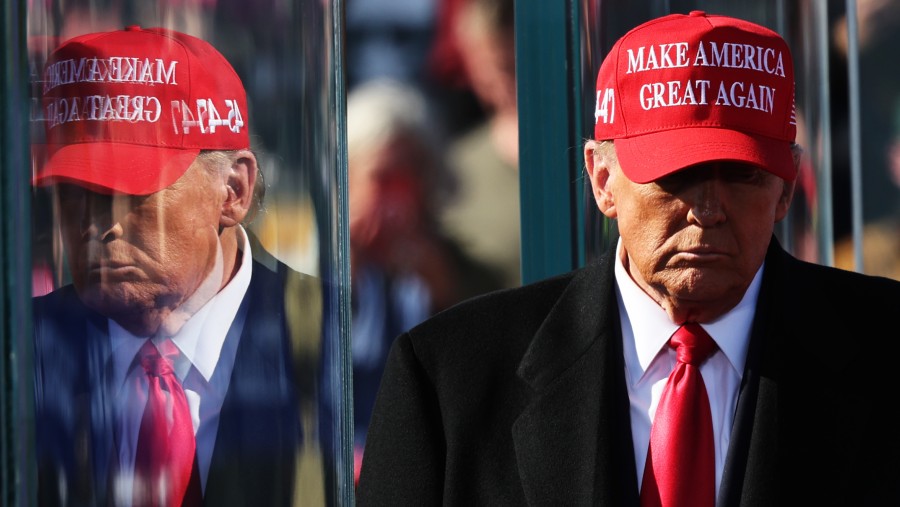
[
  {"x": 101, "y": 217},
  {"x": 706, "y": 205}
]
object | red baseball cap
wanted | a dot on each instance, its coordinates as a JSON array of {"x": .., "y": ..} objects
[
  {"x": 129, "y": 110},
  {"x": 685, "y": 89}
]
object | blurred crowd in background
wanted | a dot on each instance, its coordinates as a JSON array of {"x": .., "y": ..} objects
[
  {"x": 878, "y": 27},
  {"x": 432, "y": 140}
]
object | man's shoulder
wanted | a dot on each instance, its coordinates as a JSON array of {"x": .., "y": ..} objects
[
  {"x": 62, "y": 304},
  {"x": 284, "y": 299},
  {"x": 817, "y": 278},
  {"x": 504, "y": 315},
  {"x": 269, "y": 272},
  {"x": 829, "y": 291},
  {"x": 483, "y": 340},
  {"x": 64, "y": 334}
]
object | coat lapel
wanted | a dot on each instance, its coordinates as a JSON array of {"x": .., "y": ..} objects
[
  {"x": 749, "y": 469},
  {"x": 818, "y": 432},
  {"x": 258, "y": 434},
  {"x": 750, "y": 475},
  {"x": 573, "y": 442}
]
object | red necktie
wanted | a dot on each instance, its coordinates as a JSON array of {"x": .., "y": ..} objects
[
  {"x": 681, "y": 460},
  {"x": 164, "y": 460}
]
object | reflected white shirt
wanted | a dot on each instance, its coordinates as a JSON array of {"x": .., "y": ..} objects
[
  {"x": 200, "y": 357},
  {"x": 646, "y": 329}
]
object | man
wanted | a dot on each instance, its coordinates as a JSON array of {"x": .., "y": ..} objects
[
  {"x": 483, "y": 215},
  {"x": 554, "y": 394},
  {"x": 169, "y": 313}
]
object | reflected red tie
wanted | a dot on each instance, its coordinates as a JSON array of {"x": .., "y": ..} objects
[
  {"x": 164, "y": 460},
  {"x": 681, "y": 460}
]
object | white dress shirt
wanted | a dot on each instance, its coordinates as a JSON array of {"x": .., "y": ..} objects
[
  {"x": 198, "y": 328},
  {"x": 646, "y": 330}
]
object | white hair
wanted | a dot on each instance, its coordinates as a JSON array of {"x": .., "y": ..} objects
[{"x": 382, "y": 109}]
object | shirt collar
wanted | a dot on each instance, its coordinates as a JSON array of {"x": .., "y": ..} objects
[{"x": 651, "y": 327}]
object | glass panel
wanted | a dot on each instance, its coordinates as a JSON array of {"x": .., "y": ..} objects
[
  {"x": 189, "y": 182},
  {"x": 550, "y": 170}
]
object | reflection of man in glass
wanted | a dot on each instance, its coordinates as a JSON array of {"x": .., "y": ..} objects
[{"x": 148, "y": 153}]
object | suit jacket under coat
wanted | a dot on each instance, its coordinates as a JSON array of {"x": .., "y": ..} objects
[
  {"x": 519, "y": 398},
  {"x": 253, "y": 462}
]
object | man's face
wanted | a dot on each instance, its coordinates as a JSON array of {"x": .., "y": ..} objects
[
  {"x": 696, "y": 238},
  {"x": 387, "y": 205},
  {"x": 135, "y": 258}
]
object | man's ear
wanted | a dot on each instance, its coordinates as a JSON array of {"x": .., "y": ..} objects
[
  {"x": 597, "y": 163},
  {"x": 240, "y": 182},
  {"x": 788, "y": 187},
  {"x": 784, "y": 201}
]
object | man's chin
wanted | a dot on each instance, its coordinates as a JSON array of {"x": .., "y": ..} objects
[
  {"x": 137, "y": 315},
  {"x": 704, "y": 284}
]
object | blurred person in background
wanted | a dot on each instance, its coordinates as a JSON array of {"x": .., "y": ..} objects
[
  {"x": 477, "y": 51},
  {"x": 403, "y": 268}
]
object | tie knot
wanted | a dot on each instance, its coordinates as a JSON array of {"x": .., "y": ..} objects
[
  {"x": 158, "y": 362},
  {"x": 692, "y": 343}
]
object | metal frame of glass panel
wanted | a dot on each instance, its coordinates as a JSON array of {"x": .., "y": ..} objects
[
  {"x": 550, "y": 136},
  {"x": 15, "y": 288}
]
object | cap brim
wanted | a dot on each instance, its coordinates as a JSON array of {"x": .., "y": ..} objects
[
  {"x": 649, "y": 157},
  {"x": 115, "y": 167}
]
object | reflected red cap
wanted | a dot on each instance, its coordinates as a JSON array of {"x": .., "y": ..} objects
[
  {"x": 685, "y": 89},
  {"x": 129, "y": 110}
]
